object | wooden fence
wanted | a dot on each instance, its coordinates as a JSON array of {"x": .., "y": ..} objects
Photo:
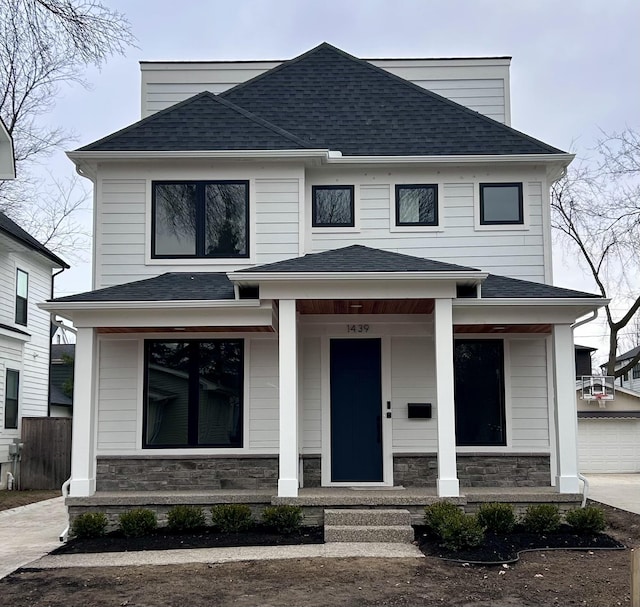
[{"x": 46, "y": 455}]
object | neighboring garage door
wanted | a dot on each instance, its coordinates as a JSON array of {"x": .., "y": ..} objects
[{"x": 609, "y": 445}]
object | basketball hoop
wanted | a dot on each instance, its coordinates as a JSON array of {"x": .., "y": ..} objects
[{"x": 601, "y": 398}]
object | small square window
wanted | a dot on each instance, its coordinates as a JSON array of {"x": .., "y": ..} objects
[
  {"x": 332, "y": 206},
  {"x": 22, "y": 296},
  {"x": 501, "y": 203},
  {"x": 416, "y": 205}
]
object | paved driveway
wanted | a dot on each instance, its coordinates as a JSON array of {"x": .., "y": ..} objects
[
  {"x": 618, "y": 490},
  {"x": 29, "y": 532}
]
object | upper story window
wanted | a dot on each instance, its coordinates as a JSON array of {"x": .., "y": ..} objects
[
  {"x": 22, "y": 295},
  {"x": 200, "y": 219},
  {"x": 332, "y": 206},
  {"x": 501, "y": 204},
  {"x": 635, "y": 372},
  {"x": 11, "y": 390},
  {"x": 417, "y": 205}
]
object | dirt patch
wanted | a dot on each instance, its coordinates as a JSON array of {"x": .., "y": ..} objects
[
  {"x": 14, "y": 499},
  {"x": 598, "y": 578}
]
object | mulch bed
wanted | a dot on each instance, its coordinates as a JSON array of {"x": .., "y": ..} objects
[
  {"x": 163, "y": 539},
  {"x": 498, "y": 549}
]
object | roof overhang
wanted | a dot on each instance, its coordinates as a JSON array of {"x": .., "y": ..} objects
[{"x": 525, "y": 310}]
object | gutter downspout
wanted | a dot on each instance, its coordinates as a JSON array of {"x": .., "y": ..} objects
[
  {"x": 65, "y": 493},
  {"x": 585, "y": 481}
]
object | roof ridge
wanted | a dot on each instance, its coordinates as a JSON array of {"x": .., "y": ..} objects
[
  {"x": 203, "y": 94},
  {"x": 379, "y": 70}
]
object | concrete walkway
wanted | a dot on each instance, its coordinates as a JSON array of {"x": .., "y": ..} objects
[
  {"x": 617, "y": 490},
  {"x": 28, "y": 532}
]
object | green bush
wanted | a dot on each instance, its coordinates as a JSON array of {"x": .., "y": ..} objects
[
  {"x": 231, "y": 518},
  {"x": 440, "y": 513},
  {"x": 586, "y": 520},
  {"x": 459, "y": 532},
  {"x": 183, "y": 518},
  {"x": 138, "y": 522},
  {"x": 542, "y": 518},
  {"x": 89, "y": 524},
  {"x": 284, "y": 519},
  {"x": 498, "y": 518}
]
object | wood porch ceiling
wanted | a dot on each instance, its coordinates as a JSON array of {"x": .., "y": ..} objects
[
  {"x": 501, "y": 329},
  {"x": 365, "y": 306},
  {"x": 183, "y": 330}
]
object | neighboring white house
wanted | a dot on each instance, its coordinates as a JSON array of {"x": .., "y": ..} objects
[
  {"x": 25, "y": 280},
  {"x": 631, "y": 379},
  {"x": 323, "y": 274}
]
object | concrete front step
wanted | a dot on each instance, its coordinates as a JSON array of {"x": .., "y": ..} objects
[
  {"x": 367, "y": 516},
  {"x": 369, "y": 533}
]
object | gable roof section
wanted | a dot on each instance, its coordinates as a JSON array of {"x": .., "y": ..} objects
[
  {"x": 325, "y": 99},
  {"x": 172, "y": 286},
  {"x": 358, "y": 258},
  {"x": 202, "y": 122},
  {"x": 15, "y": 232},
  {"x": 626, "y": 355}
]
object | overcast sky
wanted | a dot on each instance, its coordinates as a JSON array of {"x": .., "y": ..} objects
[{"x": 575, "y": 66}]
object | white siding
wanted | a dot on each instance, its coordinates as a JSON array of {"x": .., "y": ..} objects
[
  {"x": 480, "y": 84},
  {"x": 413, "y": 380},
  {"x": 118, "y": 395},
  {"x": 262, "y": 407},
  {"x": 517, "y": 251},
  {"x": 312, "y": 395},
  {"x": 529, "y": 395}
]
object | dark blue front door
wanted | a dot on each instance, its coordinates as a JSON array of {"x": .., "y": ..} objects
[{"x": 356, "y": 409}]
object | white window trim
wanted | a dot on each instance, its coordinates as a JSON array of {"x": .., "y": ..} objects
[
  {"x": 415, "y": 229},
  {"x": 513, "y": 227}
]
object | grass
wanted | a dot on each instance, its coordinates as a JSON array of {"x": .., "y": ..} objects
[{"x": 14, "y": 499}]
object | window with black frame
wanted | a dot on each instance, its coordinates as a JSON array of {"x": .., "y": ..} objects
[
  {"x": 193, "y": 393},
  {"x": 417, "y": 205},
  {"x": 11, "y": 394},
  {"x": 332, "y": 206},
  {"x": 479, "y": 392},
  {"x": 199, "y": 219},
  {"x": 22, "y": 297},
  {"x": 501, "y": 204}
]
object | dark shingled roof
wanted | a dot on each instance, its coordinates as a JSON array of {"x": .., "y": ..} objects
[
  {"x": 627, "y": 355},
  {"x": 325, "y": 99},
  {"x": 14, "y": 231},
  {"x": 609, "y": 414},
  {"x": 202, "y": 122},
  {"x": 358, "y": 258},
  {"x": 172, "y": 286},
  {"x": 504, "y": 287}
]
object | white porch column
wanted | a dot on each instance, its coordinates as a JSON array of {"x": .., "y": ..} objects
[
  {"x": 83, "y": 460},
  {"x": 288, "y": 376},
  {"x": 448, "y": 485},
  {"x": 566, "y": 416}
]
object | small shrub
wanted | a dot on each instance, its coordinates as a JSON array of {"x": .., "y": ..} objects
[
  {"x": 541, "y": 518},
  {"x": 89, "y": 524},
  {"x": 231, "y": 518},
  {"x": 586, "y": 520},
  {"x": 284, "y": 519},
  {"x": 183, "y": 518},
  {"x": 440, "y": 513},
  {"x": 460, "y": 532},
  {"x": 497, "y": 518},
  {"x": 138, "y": 522}
]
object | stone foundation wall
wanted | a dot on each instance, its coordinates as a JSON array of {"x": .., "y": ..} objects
[
  {"x": 311, "y": 471},
  {"x": 475, "y": 470},
  {"x": 189, "y": 473}
]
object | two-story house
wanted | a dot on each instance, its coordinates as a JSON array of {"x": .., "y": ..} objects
[
  {"x": 318, "y": 273},
  {"x": 26, "y": 275}
]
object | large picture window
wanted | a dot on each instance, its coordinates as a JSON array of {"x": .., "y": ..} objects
[
  {"x": 416, "y": 205},
  {"x": 11, "y": 391},
  {"x": 333, "y": 206},
  {"x": 193, "y": 393},
  {"x": 200, "y": 219},
  {"x": 501, "y": 204},
  {"x": 479, "y": 392},
  {"x": 22, "y": 297}
]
